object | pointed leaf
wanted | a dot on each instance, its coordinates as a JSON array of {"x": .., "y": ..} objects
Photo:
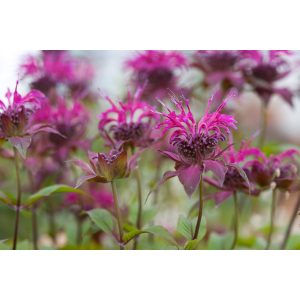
[
  {"x": 192, "y": 244},
  {"x": 161, "y": 232},
  {"x": 48, "y": 191},
  {"x": 185, "y": 227},
  {"x": 103, "y": 219},
  {"x": 7, "y": 199}
]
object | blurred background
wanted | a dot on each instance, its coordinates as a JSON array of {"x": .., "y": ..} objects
[{"x": 111, "y": 79}]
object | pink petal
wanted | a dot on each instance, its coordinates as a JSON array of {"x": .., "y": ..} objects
[
  {"x": 217, "y": 168},
  {"x": 189, "y": 176}
]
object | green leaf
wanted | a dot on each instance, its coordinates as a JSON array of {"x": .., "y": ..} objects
[
  {"x": 48, "y": 191},
  {"x": 7, "y": 199},
  {"x": 156, "y": 230},
  {"x": 161, "y": 232},
  {"x": 103, "y": 219},
  {"x": 132, "y": 234},
  {"x": 185, "y": 227},
  {"x": 192, "y": 244}
]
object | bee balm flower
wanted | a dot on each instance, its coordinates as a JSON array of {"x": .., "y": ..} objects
[
  {"x": 16, "y": 114},
  {"x": 129, "y": 122},
  {"x": 196, "y": 144},
  {"x": 156, "y": 69},
  {"x": 263, "y": 72}
]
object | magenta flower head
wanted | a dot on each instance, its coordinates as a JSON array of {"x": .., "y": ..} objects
[
  {"x": 70, "y": 120},
  {"x": 264, "y": 70},
  {"x": 281, "y": 170},
  {"x": 58, "y": 67},
  {"x": 237, "y": 174},
  {"x": 16, "y": 114},
  {"x": 196, "y": 144},
  {"x": 220, "y": 67},
  {"x": 96, "y": 197},
  {"x": 129, "y": 123},
  {"x": 156, "y": 69},
  {"x": 105, "y": 167}
]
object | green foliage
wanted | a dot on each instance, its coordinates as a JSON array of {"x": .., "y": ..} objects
[
  {"x": 103, "y": 219},
  {"x": 48, "y": 191}
]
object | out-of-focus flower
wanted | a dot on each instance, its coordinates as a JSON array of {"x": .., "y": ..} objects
[
  {"x": 16, "y": 114},
  {"x": 236, "y": 177},
  {"x": 157, "y": 70},
  {"x": 196, "y": 144},
  {"x": 130, "y": 123},
  {"x": 221, "y": 68},
  {"x": 280, "y": 169},
  {"x": 70, "y": 120},
  {"x": 264, "y": 70},
  {"x": 105, "y": 167},
  {"x": 58, "y": 67},
  {"x": 97, "y": 196}
]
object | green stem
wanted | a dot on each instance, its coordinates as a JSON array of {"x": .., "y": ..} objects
[
  {"x": 200, "y": 209},
  {"x": 79, "y": 231},
  {"x": 118, "y": 214},
  {"x": 52, "y": 224},
  {"x": 140, "y": 205},
  {"x": 19, "y": 197},
  {"x": 290, "y": 226},
  {"x": 34, "y": 228},
  {"x": 264, "y": 125},
  {"x": 269, "y": 240},
  {"x": 236, "y": 220}
]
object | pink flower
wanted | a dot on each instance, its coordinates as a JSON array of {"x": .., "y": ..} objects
[
  {"x": 129, "y": 122},
  {"x": 97, "y": 196},
  {"x": 157, "y": 70},
  {"x": 58, "y": 67},
  {"x": 237, "y": 174},
  {"x": 70, "y": 120},
  {"x": 105, "y": 167},
  {"x": 280, "y": 169},
  {"x": 264, "y": 70},
  {"x": 196, "y": 143},
  {"x": 221, "y": 67},
  {"x": 16, "y": 114}
]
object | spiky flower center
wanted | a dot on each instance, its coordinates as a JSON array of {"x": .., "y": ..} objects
[
  {"x": 198, "y": 147},
  {"x": 109, "y": 158},
  {"x": 13, "y": 120},
  {"x": 158, "y": 77},
  {"x": 222, "y": 61},
  {"x": 129, "y": 131},
  {"x": 265, "y": 72}
]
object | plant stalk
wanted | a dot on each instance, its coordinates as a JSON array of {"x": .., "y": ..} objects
[
  {"x": 118, "y": 214},
  {"x": 140, "y": 205},
  {"x": 290, "y": 225},
  {"x": 236, "y": 220},
  {"x": 19, "y": 198},
  {"x": 200, "y": 211},
  {"x": 269, "y": 240},
  {"x": 264, "y": 126},
  {"x": 34, "y": 228}
]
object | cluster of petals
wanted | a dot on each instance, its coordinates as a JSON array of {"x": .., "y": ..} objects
[
  {"x": 55, "y": 67},
  {"x": 195, "y": 144},
  {"x": 130, "y": 122},
  {"x": 16, "y": 115}
]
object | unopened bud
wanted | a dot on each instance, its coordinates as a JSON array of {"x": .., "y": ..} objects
[
  {"x": 277, "y": 172},
  {"x": 273, "y": 185}
]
